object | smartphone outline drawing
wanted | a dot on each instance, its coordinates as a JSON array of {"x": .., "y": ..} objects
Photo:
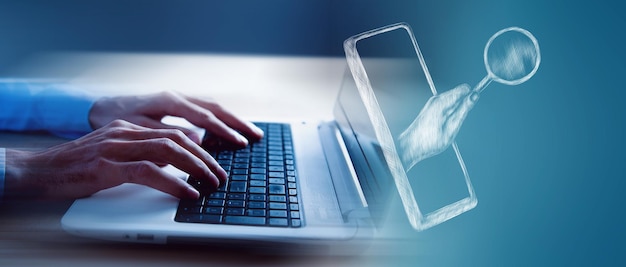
[{"x": 418, "y": 220}]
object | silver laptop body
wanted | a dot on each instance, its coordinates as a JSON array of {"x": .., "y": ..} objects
[{"x": 345, "y": 182}]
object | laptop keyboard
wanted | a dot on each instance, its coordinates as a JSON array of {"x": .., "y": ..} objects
[{"x": 261, "y": 189}]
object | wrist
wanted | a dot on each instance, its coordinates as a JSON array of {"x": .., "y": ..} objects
[
  {"x": 97, "y": 113},
  {"x": 17, "y": 174}
]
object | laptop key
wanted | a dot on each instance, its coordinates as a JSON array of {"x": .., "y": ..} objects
[
  {"x": 261, "y": 188},
  {"x": 278, "y": 206},
  {"x": 278, "y": 222},
  {"x": 238, "y": 187},
  {"x": 214, "y": 210},
  {"x": 295, "y": 214},
  {"x": 240, "y": 165},
  {"x": 275, "y": 163},
  {"x": 257, "y": 176},
  {"x": 240, "y": 171},
  {"x": 236, "y": 203},
  {"x": 276, "y": 189},
  {"x": 276, "y": 168},
  {"x": 258, "y": 170},
  {"x": 237, "y": 196},
  {"x": 275, "y": 157},
  {"x": 225, "y": 156},
  {"x": 257, "y": 190},
  {"x": 276, "y": 174},
  {"x": 235, "y": 211},
  {"x": 278, "y": 213},
  {"x": 277, "y": 181},
  {"x": 239, "y": 177},
  {"x": 217, "y": 195},
  {"x": 258, "y": 159},
  {"x": 215, "y": 202},
  {"x": 256, "y": 197},
  {"x": 257, "y": 183},
  {"x": 205, "y": 218},
  {"x": 191, "y": 209},
  {"x": 256, "y": 213},
  {"x": 256, "y": 205},
  {"x": 278, "y": 198},
  {"x": 275, "y": 151},
  {"x": 244, "y": 220},
  {"x": 257, "y": 165}
]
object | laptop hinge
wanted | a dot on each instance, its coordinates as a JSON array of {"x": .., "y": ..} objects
[{"x": 352, "y": 202}]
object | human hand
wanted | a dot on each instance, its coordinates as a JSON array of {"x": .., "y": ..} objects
[
  {"x": 149, "y": 110},
  {"x": 437, "y": 125},
  {"x": 120, "y": 152}
]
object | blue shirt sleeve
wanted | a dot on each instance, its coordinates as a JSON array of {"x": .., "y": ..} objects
[{"x": 59, "y": 109}]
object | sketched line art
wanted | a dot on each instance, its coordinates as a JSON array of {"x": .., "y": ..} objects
[{"x": 511, "y": 57}]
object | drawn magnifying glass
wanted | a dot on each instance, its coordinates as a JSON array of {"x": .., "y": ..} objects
[{"x": 511, "y": 57}]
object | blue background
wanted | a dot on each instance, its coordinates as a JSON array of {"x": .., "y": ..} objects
[{"x": 546, "y": 157}]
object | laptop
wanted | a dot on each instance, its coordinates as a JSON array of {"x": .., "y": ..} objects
[{"x": 305, "y": 182}]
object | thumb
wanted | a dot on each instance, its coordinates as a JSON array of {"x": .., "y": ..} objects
[{"x": 457, "y": 116}]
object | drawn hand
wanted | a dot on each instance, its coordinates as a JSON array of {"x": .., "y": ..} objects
[{"x": 437, "y": 125}]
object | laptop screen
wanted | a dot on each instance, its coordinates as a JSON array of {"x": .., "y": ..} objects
[{"x": 384, "y": 90}]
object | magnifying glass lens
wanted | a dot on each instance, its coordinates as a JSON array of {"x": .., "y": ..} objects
[{"x": 512, "y": 56}]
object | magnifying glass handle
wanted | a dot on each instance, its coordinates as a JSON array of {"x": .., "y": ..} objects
[
  {"x": 482, "y": 84},
  {"x": 479, "y": 88}
]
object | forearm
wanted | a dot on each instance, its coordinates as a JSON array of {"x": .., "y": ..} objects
[{"x": 16, "y": 175}]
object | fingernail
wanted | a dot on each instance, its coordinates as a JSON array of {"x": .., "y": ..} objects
[
  {"x": 223, "y": 177},
  {"x": 242, "y": 139},
  {"x": 258, "y": 130},
  {"x": 217, "y": 177},
  {"x": 192, "y": 192}
]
